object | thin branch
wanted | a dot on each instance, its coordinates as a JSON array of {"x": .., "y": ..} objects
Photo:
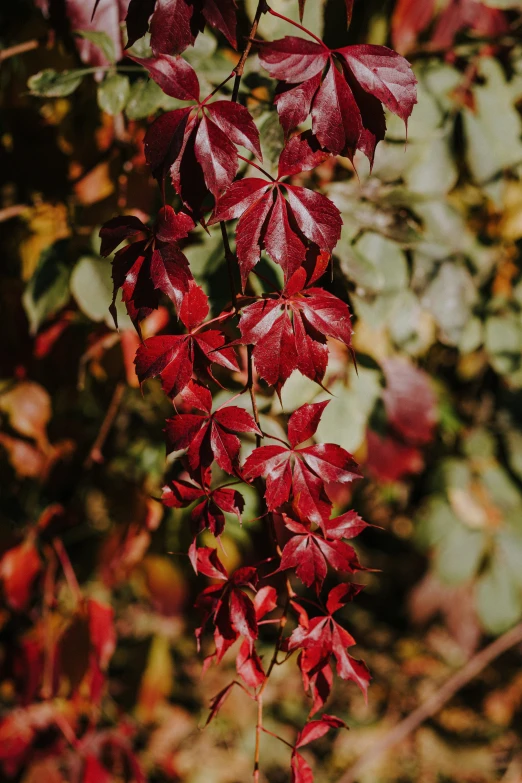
[
  {"x": 11, "y": 212},
  {"x": 230, "y": 259},
  {"x": 255, "y": 165},
  {"x": 432, "y": 705},
  {"x": 262, "y": 8},
  {"x": 95, "y": 454},
  {"x": 68, "y": 570},
  {"x": 21, "y": 48},
  {"x": 299, "y": 26}
]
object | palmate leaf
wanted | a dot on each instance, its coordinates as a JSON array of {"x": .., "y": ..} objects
[
  {"x": 302, "y": 473},
  {"x": 175, "y": 358},
  {"x": 344, "y": 90},
  {"x": 151, "y": 264},
  {"x": 283, "y": 219},
  {"x": 209, "y": 436},
  {"x": 289, "y": 331},
  {"x": 322, "y": 637},
  {"x": 196, "y": 144},
  {"x": 209, "y": 513},
  {"x": 310, "y": 553}
]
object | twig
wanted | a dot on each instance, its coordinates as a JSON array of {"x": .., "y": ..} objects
[
  {"x": 299, "y": 26},
  {"x": 68, "y": 570},
  {"x": 10, "y": 212},
  {"x": 432, "y": 705},
  {"x": 262, "y": 8},
  {"x": 95, "y": 454},
  {"x": 21, "y": 48}
]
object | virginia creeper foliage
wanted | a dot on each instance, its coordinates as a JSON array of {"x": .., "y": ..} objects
[
  {"x": 345, "y": 92},
  {"x": 196, "y": 150}
]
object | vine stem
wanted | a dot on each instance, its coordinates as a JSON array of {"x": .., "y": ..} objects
[
  {"x": 299, "y": 26},
  {"x": 256, "y": 166},
  {"x": 262, "y": 8},
  {"x": 21, "y": 48},
  {"x": 68, "y": 570},
  {"x": 95, "y": 454},
  {"x": 432, "y": 705}
]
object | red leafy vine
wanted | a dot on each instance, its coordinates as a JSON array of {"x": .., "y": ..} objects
[{"x": 344, "y": 91}]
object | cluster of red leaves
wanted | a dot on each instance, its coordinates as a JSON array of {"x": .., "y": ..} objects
[
  {"x": 345, "y": 92},
  {"x": 61, "y": 670}
]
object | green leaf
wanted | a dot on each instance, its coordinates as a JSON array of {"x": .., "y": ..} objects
[
  {"x": 91, "y": 286},
  {"x": 51, "y": 84},
  {"x": 101, "y": 40},
  {"x": 498, "y": 598},
  {"x": 272, "y": 138},
  {"x": 145, "y": 98},
  {"x": 488, "y": 150},
  {"x": 48, "y": 289},
  {"x": 450, "y": 297},
  {"x": 459, "y": 553},
  {"x": 503, "y": 335},
  {"x": 345, "y": 419},
  {"x": 113, "y": 93},
  {"x": 388, "y": 259}
]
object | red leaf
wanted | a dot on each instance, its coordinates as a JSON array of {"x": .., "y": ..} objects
[
  {"x": 317, "y": 217},
  {"x": 236, "y": 122},
  {"x": 312, "y": 468},
  {"x": 384, "y": 74},
  {"x": 210, "y": 436},
  {"x": 301, "y": 770},
  {"x": 265, "y": 601},
  {"x": 172, "y": 73},
  {"x": 345, "y": 103},
  {"x": 294, "y": 59},
  {"x": 117, "y": 230},
  {"x": 314, "y": 313},
  {"x": 101, "y": 631},
  {"x": 208, "y": 563},
  {"x": 318, "y": 728},
  {"x": 294, "y": 103},
  {"x": 194, "y": 308},
  {"x": 143, "y": 268},
  {"x": 170, "y": 27},
  {"x": 340, "y": 595},
  {"x": 95, "y": 772},
  {"x": 243, "y": 615},
  {"x": 390, "y": 460},
  {"x": 216, "y": 155},
  {"x": 19, "y": 568},
  {"x": 217, "y": 702},
  {"x": 171, "y": 227},
  {"x": 410, "y": 402},
  {"x": 281, "y": 242},
  {"x": 347, "y": 525},
  {"x": 323, "y": 637},
  {"x": 409, "y": 19},
  {"x": 221, "y": 14},
  {"x": 137, "y": 19},
  {"x": 249, "y": 666},
  {"x": 301, "y": 153},
  {"x": 164, "y": 140},
  {"x": 303, "y": 423},
  {"x": 336, "y": 118},
  {"x": 310, "y": 554},
  {"x": 276, "y": 225}
]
